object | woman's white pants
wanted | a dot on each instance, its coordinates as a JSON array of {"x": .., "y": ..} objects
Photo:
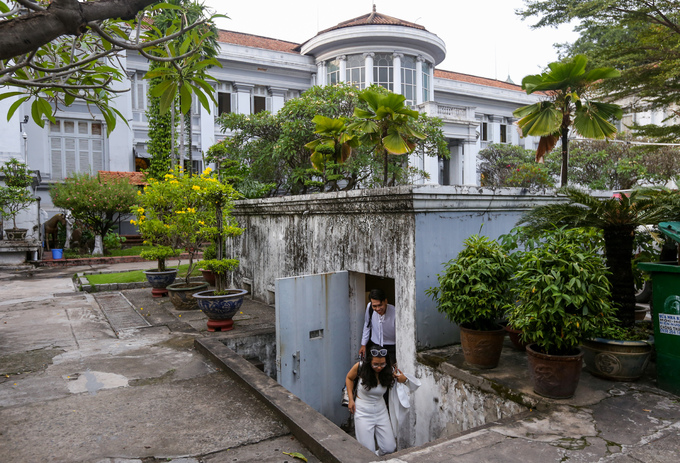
[{"x": 372, "y": 420}]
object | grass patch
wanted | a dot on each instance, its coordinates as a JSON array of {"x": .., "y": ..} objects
[
  {"x": 133, "y": 277},
  {"x": 132, "y": 251}
]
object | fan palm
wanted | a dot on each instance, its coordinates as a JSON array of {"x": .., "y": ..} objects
[
  {"x": 567, "y": 83},
  {"x": 618, "y": 219},
  {"x": 386, "y": 124}
]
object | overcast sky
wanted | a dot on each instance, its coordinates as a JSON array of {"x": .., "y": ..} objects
[{"x": 483, "y": 37}]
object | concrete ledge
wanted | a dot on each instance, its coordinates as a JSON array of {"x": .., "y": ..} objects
[
  {"x": 325, "y": 440},
  {"x": 102, "y": 260},
  {"x": 81, "y": 282}
]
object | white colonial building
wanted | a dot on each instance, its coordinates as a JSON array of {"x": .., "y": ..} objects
[{"x": 260, "y": 73}]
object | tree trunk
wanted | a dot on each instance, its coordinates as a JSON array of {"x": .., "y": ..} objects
[
  {"x": 182, "y": 147},
  {"x": 29, "y": 32},
  {"x": 618, "y": 244},
  {"x": 98, "y": 245},
  {"x": 173, "y": 148},
  {"x": 385, "y": 172},
  {"x": 189, "y": 140},
  {"x": 565, "y": 156}
]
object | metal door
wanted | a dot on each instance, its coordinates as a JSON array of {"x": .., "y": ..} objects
[{"x": 312, "y": 339}]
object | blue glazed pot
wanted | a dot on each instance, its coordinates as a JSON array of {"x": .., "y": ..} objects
[
  {"x": 220, "y": 309},
  {"x": 160, "y": 280}
]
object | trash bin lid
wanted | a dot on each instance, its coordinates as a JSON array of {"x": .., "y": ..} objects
[{"x": 671, "y": 230}]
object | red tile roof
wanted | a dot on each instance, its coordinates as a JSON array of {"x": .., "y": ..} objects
[
  {"x": 135, "y": 178},
  {"x": 374, "y": 18},
  {"x": 476, "y": 80},
  {"x": 249, "y": 40}
]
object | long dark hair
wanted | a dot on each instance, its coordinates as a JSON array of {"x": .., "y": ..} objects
[{"x": 367, "y": 373}]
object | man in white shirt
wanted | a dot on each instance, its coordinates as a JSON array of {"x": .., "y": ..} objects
[{"x": 379, "y": 322}]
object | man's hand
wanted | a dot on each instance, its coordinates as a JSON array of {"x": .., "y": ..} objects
[{"x": 362, "y": 352}]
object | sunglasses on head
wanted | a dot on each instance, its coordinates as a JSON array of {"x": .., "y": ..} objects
[{"x": 379, "y": 352}]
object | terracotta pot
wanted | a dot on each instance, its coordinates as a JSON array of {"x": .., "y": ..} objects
[
  {"x": 616, "y": 360},
  {"x": 182, "y": 295},
  {"x": 160, "y": 280},
  {"x": 554, "y": 376},
  {"x": 208, "y": 276},
  {"x": 220, "y": 309},
  {"x": 482, "y": 349},
  {"x": 640, "y": 313},
  {"x": 514, "y": 336}
]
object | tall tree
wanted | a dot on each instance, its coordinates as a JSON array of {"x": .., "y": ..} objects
[
  {"x": 60, "y": 51},
  {"x": 641, "y": 38},
  {"x": 570, "y": 88}
]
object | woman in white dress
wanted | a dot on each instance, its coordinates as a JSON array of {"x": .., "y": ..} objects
[{"x": 371, "y": 419}]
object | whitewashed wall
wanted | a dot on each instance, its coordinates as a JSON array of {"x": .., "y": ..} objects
[{"x": 404, "y": 233}]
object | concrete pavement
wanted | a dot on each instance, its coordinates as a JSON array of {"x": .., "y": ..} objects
[{"x": 73, "y": 388}]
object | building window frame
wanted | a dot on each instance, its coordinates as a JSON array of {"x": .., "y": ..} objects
[{"x": 383, "y": 70}]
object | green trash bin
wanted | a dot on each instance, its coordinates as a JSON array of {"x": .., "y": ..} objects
[{"x": 666, "y": 314}]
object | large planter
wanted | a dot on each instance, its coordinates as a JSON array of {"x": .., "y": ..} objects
[
  {"x": 616, "y": 360},
  {"x": 208, "y": 276},
  {"x": 515, "y": 338},
  {"x": 159, "y": 281},
  {"x": 554, "y": 376},
  {"x": 16, "y": 234},
  {"x": 182, "y": 295},
  {"x": 482, "y": 349},
  {"x": 220, "y": 309}
]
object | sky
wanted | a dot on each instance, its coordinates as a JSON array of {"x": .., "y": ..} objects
[{"x": 483, "y": 37}]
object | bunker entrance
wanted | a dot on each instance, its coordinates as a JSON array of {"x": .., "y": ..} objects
[{"x": 319, "y": 320}]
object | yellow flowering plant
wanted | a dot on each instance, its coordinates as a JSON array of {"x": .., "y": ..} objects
[{"x": 180, "y": 212}]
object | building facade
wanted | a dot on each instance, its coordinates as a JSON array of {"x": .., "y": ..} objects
[{"x": 260, "y": 73}]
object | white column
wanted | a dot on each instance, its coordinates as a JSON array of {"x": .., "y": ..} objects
[
  {"x": 342, "y": 60},
  {"x": 243, "y": 98},
  {"x": 321, "y": 73},
  {"x": 368, "y": 64},
  {"x": 207, "y": 125},
  {"x": 469, "y": 157},
  {"x": 118, "y": 144},
  {"x": 431, "y": 89},
  {"x": 419, "y": 80},
  {"x": 431, "y": 166},
  {"x": 396, "y": 66},
  {"x": 278, "y": 98}
]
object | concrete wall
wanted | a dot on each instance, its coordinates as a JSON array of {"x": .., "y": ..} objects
[{"x": 404, "y": 233}]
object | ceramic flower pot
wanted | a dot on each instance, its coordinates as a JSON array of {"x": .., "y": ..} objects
[
  {"x": 616, "y": 360},
  {"x": 182, "y": 294},
  {"x": 220, "y": 309},
  {"x": 554, "y": 376},
  {"x": 482, "y": 349},
  {"x": 208, "y": 276},
  {"x": 515, "y": 338},
  {"x": 159, "y": 281}
]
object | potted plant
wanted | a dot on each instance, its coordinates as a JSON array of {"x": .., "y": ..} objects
[
  {"x": 473, "y": 292},
  {"x": 617, "y": 353},
  {"x": 160, "y": 278},
  {"x": 208, "y": 254},
  {"x": 179, "y": 212},
  {"x": 220, "y": 304},
  {"x": 561, "y": 296},
  {"x": 14, "y": 196}
]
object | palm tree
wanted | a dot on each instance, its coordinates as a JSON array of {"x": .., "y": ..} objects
[
  {"x": 618, "y": 218},
  {"x": 386, "y": 124},
  {"x": 567, "y": 84}
]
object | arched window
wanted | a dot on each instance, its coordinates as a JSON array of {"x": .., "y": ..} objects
[
  {"x": 332, "y": 72},
  {"x": 356, "y": 71},
  {"x": 426, "y": 82},
  {"x": 383, "y": 71},
  {"x": 408, "y": 79}
]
